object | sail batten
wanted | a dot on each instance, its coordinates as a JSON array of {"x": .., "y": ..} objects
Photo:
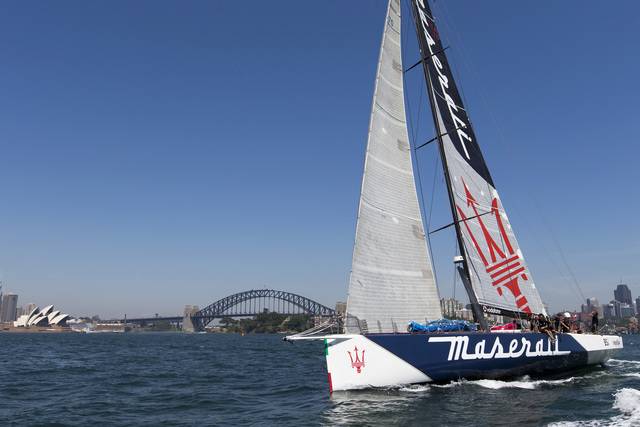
[
  {"x": 497, "y": 273},
  {"x": 392, "y": 280}
]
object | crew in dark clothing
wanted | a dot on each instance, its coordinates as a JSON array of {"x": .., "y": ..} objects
[
  {"x": 594, "y": 321},
  {"x": 545, "y": 326},
  {"x": 563, "y": 327}
]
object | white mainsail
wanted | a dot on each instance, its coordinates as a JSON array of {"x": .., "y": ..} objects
[{"x": 392, "y": 280}]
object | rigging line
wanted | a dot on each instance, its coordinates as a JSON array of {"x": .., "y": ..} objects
[
  {"x": 435, "y": 138},
  {"x": 433, "y": 186},
  {"x": 458, "y": 107},
  {"x": 417, "y": 127},
  {"x": 452, "y": 30},
  {"x": 438, "y": 52},
  {"x": 406, "y": 94},
  {"x": 459, "y": 222},
  {"x": 414, "y": 131},
  {"x": 455, "y": 270},
  {"x": 564, "y": 259}
]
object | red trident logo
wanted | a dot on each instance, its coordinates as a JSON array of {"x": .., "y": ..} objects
[
  {"x": 503, "y": 268},
  {"x": 357, "y": 363}
]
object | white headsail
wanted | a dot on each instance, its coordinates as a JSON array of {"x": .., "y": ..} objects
[{"x": 392, "y": 280}]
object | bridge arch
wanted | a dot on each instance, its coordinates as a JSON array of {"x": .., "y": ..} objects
[{"x": 236, "y": 305}]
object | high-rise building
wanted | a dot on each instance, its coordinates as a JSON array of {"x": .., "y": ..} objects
[
  {"x": 623, "y": 294},
  {"x": 27, "y": 309},
  {"x": 626, "y": 311},
  {"x": 617, "y": 313},
  {"x": 593, "y": 304},
  {"x": 608, "y": 311},
  {"x": 8, "y": 308},
  {"x": 449, "y": 307},
  {"x": 638, "y": 305}
]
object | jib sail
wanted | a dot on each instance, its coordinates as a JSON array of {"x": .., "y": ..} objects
[{"x": 392, "y": 280}]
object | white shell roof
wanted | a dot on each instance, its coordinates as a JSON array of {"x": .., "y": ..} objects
[
  {"x": 53, "y": 315},
  {"x": 46, "y": 316},
  {"x": 34, "y": 313},
  {"x": 59, "y": 318},
  {"x": 47, "y": 310}
]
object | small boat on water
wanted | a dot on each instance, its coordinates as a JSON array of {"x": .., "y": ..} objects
[{"x": 392, "y": 281}]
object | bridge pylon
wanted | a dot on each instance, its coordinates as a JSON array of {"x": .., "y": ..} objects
[{"x": 187, "y": 320}]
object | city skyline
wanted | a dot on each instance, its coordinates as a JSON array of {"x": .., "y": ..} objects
[{"x": 154, "y": 159}]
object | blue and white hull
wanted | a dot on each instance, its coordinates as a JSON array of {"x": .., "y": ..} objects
[{"x": 387, "y": 360}]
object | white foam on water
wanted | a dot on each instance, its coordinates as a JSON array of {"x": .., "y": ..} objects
[
  {"x": 524, "y": 383},
  {"x": 621, "y": 361},
  {"x": 496, "y": 384},
  {"x": 627, "y": 401},
  {"x": 451, "y": 384},
  {"x": 632, "y": 374},
  {"x": 416, "y": 388}
]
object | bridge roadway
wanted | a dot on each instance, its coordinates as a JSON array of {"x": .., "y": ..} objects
[{"x": 243, "y": 304}]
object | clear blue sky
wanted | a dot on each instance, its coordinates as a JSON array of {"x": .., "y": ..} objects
[{"x": 162, "y": 153}]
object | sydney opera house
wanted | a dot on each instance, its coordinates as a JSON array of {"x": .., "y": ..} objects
[{"x": 42, "y": 318}]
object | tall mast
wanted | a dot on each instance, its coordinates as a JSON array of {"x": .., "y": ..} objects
[{"x": 478, "y": 313}]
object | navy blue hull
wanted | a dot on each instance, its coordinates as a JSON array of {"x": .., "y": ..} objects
[{"x": 452, "y": 356}]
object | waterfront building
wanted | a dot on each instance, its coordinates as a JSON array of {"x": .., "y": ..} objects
[
  {"x": 617, "y": 314},
  {"x": 28, "y": 308},
  {"x": 9, "y": 307},
  {"x": 626, "y": 311},
  {"x": 623, "y": 294},
  {"x": 608, "y": 311},
  {"x": 593, "y": 304},
  {"x": 450, "y": 306},
  {"x": 588, "y": 307},
  {"x": 464, "y": 314},
  {"x": 42, "y": 318}
]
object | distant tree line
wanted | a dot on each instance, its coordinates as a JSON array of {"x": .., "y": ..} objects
[{"x": 266, "y": 323}]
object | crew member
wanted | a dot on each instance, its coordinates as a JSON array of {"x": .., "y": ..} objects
[
  {"x": 545, "y": 326},
  {"x": 534, "y": 323},
  {"x": 594, "y": 321}
]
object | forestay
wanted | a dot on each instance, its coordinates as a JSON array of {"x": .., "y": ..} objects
[
  {"x": 392, "y": 281},
  {"x": 498, "y": 273}
]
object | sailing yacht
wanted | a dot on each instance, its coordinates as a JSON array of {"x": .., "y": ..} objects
[{"x": 392, "y": 280}]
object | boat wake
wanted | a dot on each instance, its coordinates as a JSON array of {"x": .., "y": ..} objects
[
  {"x": 525, "y": 382},
  {"x": 522, "y": 383},
  {"x": 627, "y": 401},
  {"x": 616, "y": 362},
  {"x": 416, "y": 388}
]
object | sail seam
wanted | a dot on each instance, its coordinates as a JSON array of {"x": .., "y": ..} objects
[
  {"x": 393, "y": 85},
  {"x": 405, "y": 273},
  {"x": 387, "y": 212},
  {"x": 389, "y": 165},
  {"x": 389, "y": 114}
]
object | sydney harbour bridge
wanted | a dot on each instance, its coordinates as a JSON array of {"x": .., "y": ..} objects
[{"x": 244, "y": 304}]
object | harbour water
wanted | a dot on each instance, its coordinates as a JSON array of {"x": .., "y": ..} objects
[{"x": 227, "y": 379}]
